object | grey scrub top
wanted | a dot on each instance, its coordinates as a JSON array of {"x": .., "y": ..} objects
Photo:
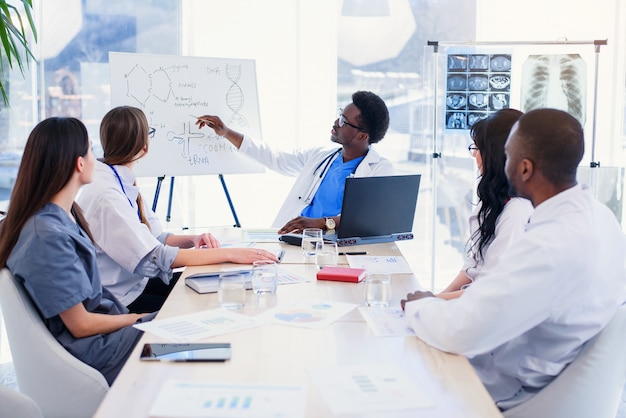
[{"x": 56, "y": 261}]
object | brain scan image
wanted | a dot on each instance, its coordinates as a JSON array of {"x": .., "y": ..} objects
[{"x": 477, "y": 84}]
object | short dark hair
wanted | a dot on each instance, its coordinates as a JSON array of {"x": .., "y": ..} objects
[
  {"x": 374, "y": 118},
  {"x": 554, "y": 141}
]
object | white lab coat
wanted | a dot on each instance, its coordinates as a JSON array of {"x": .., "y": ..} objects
[
  {"x": 304, "y": 164},
  {"x": 509, "y": 226},
  {"x": 555, "y": 288},
  {"x": 121, "y": 240}
]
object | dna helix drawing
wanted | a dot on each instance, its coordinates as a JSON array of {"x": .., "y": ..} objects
[{"x": 235, "y": 97}]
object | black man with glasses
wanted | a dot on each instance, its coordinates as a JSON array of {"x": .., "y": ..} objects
[{"x": 317, "y": 195}]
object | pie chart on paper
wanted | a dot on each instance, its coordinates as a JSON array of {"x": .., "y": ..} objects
[{"x": 313, "y": 314}]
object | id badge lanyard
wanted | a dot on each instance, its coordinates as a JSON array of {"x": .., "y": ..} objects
[{"x": 119, "y": 180}]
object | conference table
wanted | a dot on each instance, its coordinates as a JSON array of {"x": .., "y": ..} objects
[{"x": 280, "y": 356}]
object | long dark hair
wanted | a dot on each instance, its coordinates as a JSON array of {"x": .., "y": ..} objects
[
  {"x": 47, "y": 165},
  {"x": 123, "y": 134},
  {"x": 489, "y": 135}
]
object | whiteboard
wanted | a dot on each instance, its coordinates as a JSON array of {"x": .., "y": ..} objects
[{"x": 171, "y": 90}]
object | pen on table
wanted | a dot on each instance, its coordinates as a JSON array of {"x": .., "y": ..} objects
[{"x": 354, "y": 253}]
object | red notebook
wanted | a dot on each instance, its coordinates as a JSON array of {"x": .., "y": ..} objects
[{"x": 341, "y": 274}]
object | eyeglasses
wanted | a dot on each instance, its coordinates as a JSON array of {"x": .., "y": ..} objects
[
  {"x": 473, "y": 149},
  {"x": 341, "y": 120},
  {"x": 151, "y": 132}
]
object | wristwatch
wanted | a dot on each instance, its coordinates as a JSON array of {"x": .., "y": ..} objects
[{"x": 330, "y": 224}]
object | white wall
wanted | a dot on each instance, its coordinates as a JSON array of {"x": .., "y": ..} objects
[
  {"x": 574, "y": 20},
  {"x": 295, "y": 49}
]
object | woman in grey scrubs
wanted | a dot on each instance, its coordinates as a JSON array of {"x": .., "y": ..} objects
[{"x": 47, "y": 245}]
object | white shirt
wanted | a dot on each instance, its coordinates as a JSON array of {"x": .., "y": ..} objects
[
  {"x": 509, "y": 226},
  {"x": 121, "y": 240},
  {"x": 308, "y": 165},
  {"x": 555, "y": 288}
]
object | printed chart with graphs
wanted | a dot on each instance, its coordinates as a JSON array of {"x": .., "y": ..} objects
[
  {"x": 206, "y": 399},
  {"x": 173, "y": 91}
]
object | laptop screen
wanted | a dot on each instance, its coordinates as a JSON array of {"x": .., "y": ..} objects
[{"x": 378, "y": 207}]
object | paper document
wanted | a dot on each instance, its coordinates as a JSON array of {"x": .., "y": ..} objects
[
  {"x": 208, "y": 282},
  {"x": 198, "y": 399},
  {"x": 386, "y": 322},
  {"x": 389, "y": 264},
  {"x": 260, "y": 235},
  {"x": 186, "y": 328},
  {"x": 369, "y": 388},
  {"x": 307, "y": 313}
]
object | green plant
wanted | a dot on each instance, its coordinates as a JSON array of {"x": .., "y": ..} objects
[{"x": 14, "y": 41}]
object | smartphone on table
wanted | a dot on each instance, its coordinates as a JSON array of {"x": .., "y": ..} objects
[{"x": 193, "y": 352}]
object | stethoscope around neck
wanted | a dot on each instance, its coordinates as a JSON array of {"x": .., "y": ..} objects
[{"x": 317, "y": 178}]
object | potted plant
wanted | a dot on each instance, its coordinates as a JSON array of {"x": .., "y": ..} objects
[{"x": 15, "y": 48}]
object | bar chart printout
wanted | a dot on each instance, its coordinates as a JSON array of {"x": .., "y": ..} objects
[{"x": 203, "y": 399}]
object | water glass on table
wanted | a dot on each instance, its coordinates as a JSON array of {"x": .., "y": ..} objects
[
  {"x": 231, "y": 290},
  {"x": 310, "y": 236},
  {"x": 264, "y": 276},
  {"x": 377, "y": 290},
  {"x": 326, "y": 254}
]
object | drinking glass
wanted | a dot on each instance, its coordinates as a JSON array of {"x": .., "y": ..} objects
[
  {"x": 326, "y": 254},
  {"x": 309, "y": 237},
  {"x": 377, "y": 290},
  {"x": 264, "y": 276},
  {"x": 231, "y": 291}
]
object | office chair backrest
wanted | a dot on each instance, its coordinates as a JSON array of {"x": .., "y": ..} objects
[
  {"x": 591, "y": 386},
  {"x": 17, "y": 405},
  {"x": 58, "y": 382}
]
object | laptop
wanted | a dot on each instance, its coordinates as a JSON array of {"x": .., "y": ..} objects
[{"x": 374, "y": 209}]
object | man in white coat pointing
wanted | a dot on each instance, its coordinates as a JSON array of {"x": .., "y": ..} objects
[{"x": 317, "y": 194}]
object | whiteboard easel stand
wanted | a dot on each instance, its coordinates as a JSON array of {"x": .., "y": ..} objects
[
  {"x": 169, "y": 202},
  {"x": 437, "y": 155}
]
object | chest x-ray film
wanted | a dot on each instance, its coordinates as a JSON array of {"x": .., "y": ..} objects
[{"x": 557, "y": 81}]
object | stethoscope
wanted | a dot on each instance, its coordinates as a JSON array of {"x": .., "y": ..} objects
[{"x": 317, "y": 179}]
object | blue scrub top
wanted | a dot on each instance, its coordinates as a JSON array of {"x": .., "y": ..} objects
[
  {"x": 329, "y": 196},
  {"x": 56, "y": 261}
]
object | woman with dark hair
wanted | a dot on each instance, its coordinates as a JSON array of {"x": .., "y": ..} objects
[
  {"x": 47, "y": 245},
  {"x": 499, "y": 217},
  {"x": 135, "y": 255}
]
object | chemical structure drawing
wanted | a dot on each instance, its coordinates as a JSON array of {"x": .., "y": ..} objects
[
  {"x": 142, "y": 85},
  {"x": 173, "y": 92}
]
